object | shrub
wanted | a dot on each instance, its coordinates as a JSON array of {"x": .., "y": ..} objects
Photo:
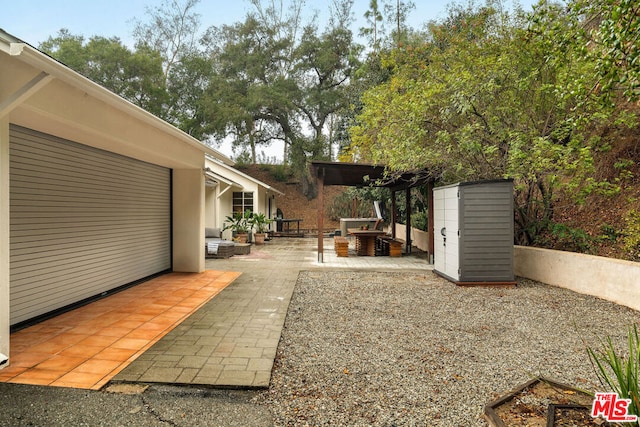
[
  {"x": 280, "y": 173},
  {"x": 632, "y": 235},
  {"x": 566, "y": 238},
  {"x": 618, "y": 372},
  {"x": 420, "y": 220},
  {"x": 608, "y": 233},
  {"x": 343, "y": 205}
]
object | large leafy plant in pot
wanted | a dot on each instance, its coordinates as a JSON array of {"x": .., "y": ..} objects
[
  {"x": 259, "y": 223},
  {"x": 240, "y": 225}
]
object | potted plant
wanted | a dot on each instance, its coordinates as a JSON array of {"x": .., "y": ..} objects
[
  {"x": 259, "y": 222},
  {"x": 240, "y": 225}
]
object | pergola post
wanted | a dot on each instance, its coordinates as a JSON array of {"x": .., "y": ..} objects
[
  {"x": 430, "y": 244},
  {"x": 407, "y": 195},
  {"x": 394, "y": 214},
  {"x": 320, "y": 181}
]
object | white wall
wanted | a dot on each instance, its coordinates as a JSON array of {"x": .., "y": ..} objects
[
  {"x": 4, "y": 237},
  {"x": 419, "y": 238},
  {"x": 188, "y": 220},
  {"x": 607, "y": 278},
  {"x": 211, "y": 214}
]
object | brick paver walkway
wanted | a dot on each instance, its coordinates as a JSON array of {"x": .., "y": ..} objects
[{"x": 232, "y": 340}]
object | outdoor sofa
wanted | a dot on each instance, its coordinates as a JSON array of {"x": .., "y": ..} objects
[{"x": 215, "y": 246}]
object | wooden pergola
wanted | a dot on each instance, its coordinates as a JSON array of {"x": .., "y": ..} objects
[{"x": 366, "y": 175}]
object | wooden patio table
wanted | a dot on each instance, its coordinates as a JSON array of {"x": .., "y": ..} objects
[{"x": 365, "y": 240}]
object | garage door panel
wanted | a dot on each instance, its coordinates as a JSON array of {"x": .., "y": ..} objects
[
  {"x": 83, "y": 221},
  {"x": 67, "y": 252}
]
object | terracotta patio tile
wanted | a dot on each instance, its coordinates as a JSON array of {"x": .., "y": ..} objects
[
  {"x": 80, "y": 329},
  {"x": 127, "y": 323},
  {"x": 49, "y": 347},
  {"x": 28, "y": 359},
  {"x": 98, "y": 340},
  {"x": 79, "y": 350},
  {"x": 145, "y": 334},
  {"x": 113, "y": 331},
  {"x": 130, "y": 343},
  {"x": 7, "y": 373},
  {"x": 97, "y": 366},
  {"x": 140, "y": 317},
  {"x": 78, "y": 380},
  {"x": 116, "y": 354},
  {"x": 37, "y": 377},
  {"x": 86, "y": 347},
  {"x": 60, "y": 363}
]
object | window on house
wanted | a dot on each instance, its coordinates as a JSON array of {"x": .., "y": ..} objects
[{"x": 242, "y": 201}]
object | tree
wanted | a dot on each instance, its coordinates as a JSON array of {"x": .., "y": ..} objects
[
  {"x": 325, "y": 67},
  {"x": 276, "y": 79},
  {"x": 613, "y": 28},
  {"x": 397, "y": 14},
  {"x": 136, "y": 76},
  {"x": 374, "y": 30},
  {"x": 171, "y": 31},
  {"x": 250, "y": 95},
  {"x": 491, "y": 95}
]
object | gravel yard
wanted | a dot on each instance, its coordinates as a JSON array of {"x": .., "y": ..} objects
[{"x": 386, "y": 349}]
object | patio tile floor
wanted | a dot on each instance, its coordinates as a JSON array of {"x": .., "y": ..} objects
[{"x": 86, "y": 347}]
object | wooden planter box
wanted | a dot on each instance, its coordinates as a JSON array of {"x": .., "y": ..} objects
[
  {"x": 341, "y": 246},
  {"x": 500, "y": 412}
]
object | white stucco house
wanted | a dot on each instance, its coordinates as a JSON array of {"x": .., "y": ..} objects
[
  {"x": 95, "y": 192},
  {"x": 230, "y": 191}
]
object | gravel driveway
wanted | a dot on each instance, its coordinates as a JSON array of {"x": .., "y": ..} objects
[{"x": 388, "y": 349}]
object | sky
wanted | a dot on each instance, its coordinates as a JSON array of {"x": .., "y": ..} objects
[{"x": 34, "y": 21}]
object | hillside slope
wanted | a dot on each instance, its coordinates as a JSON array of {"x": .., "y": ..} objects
[
  {"x": 599, "y": 225},
  {"x": 294, "y": 203}
]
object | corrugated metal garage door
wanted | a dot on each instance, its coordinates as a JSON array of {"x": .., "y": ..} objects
[{"x": 82, "y": 222}]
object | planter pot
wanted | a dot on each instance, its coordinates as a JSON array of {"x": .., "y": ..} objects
[
  {"x": 259, "y": 238},
  {"x": 242, "y": 237}
]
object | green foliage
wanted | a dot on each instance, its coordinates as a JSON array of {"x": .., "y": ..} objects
[
  {"x": 608, "y": 233},
  {"x": 136, "y": 76},
  {"x": 280, "y": 173},
  {"x": 357, "y": 203},
  {"x": 239, "y": 223},
  {"x": 620, "y": 372},
  {"x": 631, "y": 234},
  {"x": 259, "y": 222},
  {"x": 566, "y": 238},
  {"x": 492, "y": 94},
  {"x": 171, "y": 31},
  {"x": 280, "y": 80},
  {"x": 614, "y": 27},
  {"x": 420, "y": 220}
]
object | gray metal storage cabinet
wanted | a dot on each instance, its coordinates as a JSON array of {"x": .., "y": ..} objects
[{"x": 473, "y": 232}]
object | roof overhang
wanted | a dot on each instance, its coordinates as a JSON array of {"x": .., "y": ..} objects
[
  {"x": 41, "y": 94},
  {"x": 212, "y": 177},
  {"x": 366, "y": 175},
  {"x": 233, "y": 170}
]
